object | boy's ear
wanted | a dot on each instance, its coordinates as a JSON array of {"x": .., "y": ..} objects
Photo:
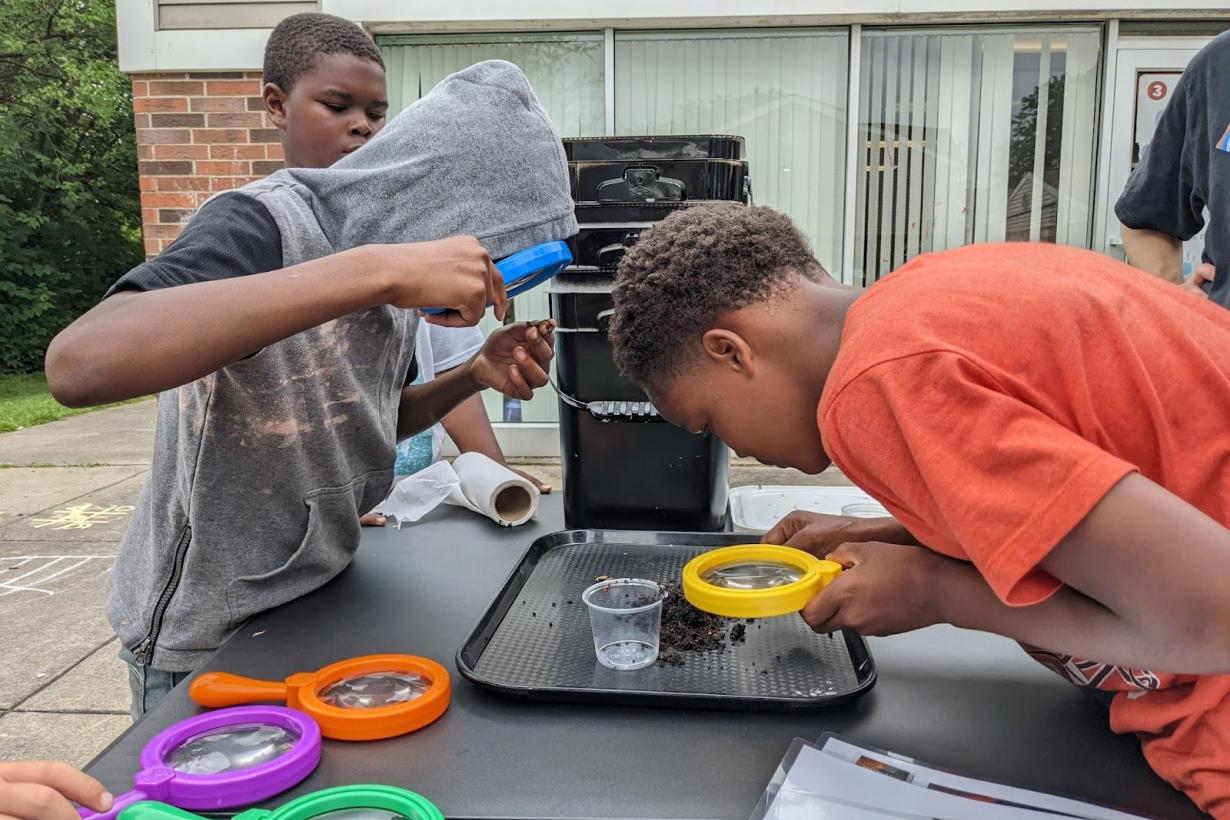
[
  {"x": 275, "y": 104},
  {"x": 730, "y": 350}
]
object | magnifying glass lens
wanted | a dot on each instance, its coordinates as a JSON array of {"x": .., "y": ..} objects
[
  {"x": 231, "y": 748},
  {"x": 375, "y": 689},
  {"x": 360, "y": 814},
  {"x": 753, "y": 575}
]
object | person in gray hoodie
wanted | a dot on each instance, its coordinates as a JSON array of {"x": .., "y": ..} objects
[{"x": 278, "y": 331}]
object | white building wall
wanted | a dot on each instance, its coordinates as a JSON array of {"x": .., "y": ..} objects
[{"x": 144, "y": 47}]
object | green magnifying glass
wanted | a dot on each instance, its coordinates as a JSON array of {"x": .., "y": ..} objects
[{"x": 362, "y": 802}]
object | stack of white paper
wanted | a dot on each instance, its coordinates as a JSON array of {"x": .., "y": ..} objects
[{"x": 838, "y": 780}]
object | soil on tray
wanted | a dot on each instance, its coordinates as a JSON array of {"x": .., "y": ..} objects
[{"x": 687, "y": 629}]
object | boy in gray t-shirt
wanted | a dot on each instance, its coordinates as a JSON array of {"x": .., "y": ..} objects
[{"x": 279, "y": 331}]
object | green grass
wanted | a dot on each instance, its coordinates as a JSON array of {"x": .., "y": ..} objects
[{"x": 25, "y": 402}]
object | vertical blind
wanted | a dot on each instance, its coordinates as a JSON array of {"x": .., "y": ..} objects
[
  {"x": 567, "y": 73},
  {"x": 973, "y": 136},
  {"x": 784, "y": 91}
]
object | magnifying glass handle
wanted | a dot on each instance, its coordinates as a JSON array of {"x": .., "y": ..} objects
[
  {"x": 216, "y": 689},
  {"x": 122, "y": 802},
  {"x": 526, "y": 269},
  {"x": 153, "y": 810}
]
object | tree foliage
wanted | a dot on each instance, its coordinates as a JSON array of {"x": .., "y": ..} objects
[
  {"x": 1025, "y": 132},
  {"x": 70, "y": 216}
]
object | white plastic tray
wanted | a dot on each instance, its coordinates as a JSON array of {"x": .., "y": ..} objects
[{"x": 757, "y": 508}]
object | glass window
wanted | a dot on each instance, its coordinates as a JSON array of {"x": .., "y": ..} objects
[
  {"x": 567, "y": 73},
  {"x": 784, "y": 91},
  {"x": 565, "y": 70},
  {"x": 973, "y": 136}
]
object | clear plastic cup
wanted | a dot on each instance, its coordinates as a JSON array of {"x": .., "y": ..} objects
[{"x": 626, "y": 617}]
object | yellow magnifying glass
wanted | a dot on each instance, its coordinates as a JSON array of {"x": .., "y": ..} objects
[{"x": 755, "y": 580}]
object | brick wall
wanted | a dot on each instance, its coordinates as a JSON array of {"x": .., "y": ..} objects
[{"x": 197, "y": 134}]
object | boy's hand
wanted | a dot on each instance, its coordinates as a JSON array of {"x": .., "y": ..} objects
[
  {"x": 884, "y": 590},
  {"x": 1203, "y": 274},
  {"x": 41, "y": 790},
  {"x": 516, "y": 358},
  {"x": 817, "y": 533},
  {"x": 542, "y": 486},
  {"x": 455, "y": 273},
  {"x": 820, "y": 534}
]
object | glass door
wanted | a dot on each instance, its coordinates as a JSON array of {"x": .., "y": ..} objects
[{"x": 1146, "y": 71}]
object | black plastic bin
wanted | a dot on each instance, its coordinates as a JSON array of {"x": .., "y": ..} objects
[
  {"x": 643, "y": 180},
  {"x": 624, "y": 466},
  {"x": 632, "y": 470}
]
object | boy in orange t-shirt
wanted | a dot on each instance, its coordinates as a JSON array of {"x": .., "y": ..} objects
[{"x": 1046, "y": 421}]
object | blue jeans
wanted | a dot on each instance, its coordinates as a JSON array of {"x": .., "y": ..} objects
[
  {"x": 414, "y": 454},
  {"x": 148, "y": 685}
]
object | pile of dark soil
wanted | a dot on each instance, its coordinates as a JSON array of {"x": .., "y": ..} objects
[{"x": 687, "y": 629}]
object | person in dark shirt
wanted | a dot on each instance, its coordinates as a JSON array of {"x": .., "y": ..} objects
[{"x": 1184, "y": 171}]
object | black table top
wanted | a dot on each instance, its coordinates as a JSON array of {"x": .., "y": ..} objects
[{"x": 957, "y": 699}]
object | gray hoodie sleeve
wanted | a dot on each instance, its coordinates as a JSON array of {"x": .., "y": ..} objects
[{"x": 477, "y": 155}]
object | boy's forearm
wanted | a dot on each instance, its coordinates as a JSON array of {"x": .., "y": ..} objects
[
  {"x": 886, "y": 529},
  {"x": 135, "y": 344},
  {"x": 1067, "y": 622},
  {"x": 1155, "y": 253},
  {"x": 424, "y": 405},
  {"x": 469, "y": 428}
]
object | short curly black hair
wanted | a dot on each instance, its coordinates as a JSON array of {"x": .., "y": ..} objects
[
  {"x": 298, "y": 40},
  {"x": 689, "y": 269}
]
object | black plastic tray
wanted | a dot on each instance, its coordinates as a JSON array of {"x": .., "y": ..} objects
[
  {"x": 532, "y": 643},
  {"x": 642, "y": 214},
  {"x": 581, "y": 298},
  {"x": 602, "y": 247},
  {"x": 702, "y": 146}
]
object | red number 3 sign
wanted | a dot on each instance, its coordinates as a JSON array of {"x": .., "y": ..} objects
[{"x": 1156, "y": 90}]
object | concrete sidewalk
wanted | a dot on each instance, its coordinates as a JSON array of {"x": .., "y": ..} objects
[{"x": 67, "y": 490}]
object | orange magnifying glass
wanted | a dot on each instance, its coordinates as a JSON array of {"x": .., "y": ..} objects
[{"x": 366, "y": 698}]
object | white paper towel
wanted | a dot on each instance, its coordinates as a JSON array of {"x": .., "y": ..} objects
[{"x": 472, "y": 481}]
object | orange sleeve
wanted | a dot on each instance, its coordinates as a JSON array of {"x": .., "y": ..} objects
[{"x": 968, "y": 468}]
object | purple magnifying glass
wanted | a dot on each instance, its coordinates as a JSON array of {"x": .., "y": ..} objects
[{"x": 223, "y": 759}]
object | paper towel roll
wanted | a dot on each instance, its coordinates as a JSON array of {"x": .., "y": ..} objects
[
  {"x": 473, "y": 481},
  {"x": 493, "y": 490}
]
